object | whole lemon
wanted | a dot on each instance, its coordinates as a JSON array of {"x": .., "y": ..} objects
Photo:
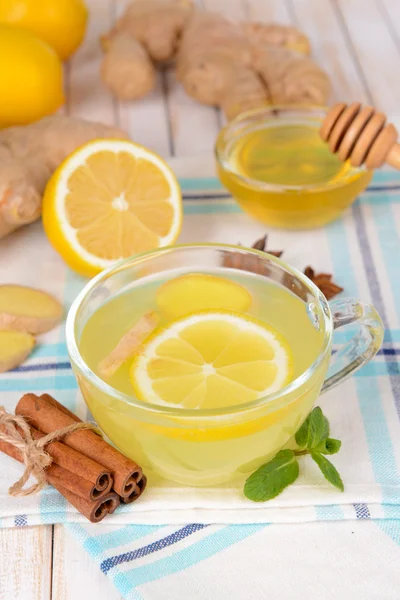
[
  {"x": 60, "y": 23},
  {"x": 31, "y": 77}
]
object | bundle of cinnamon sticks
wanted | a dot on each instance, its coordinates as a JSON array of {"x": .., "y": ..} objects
[{"x": 90, "y": 473}]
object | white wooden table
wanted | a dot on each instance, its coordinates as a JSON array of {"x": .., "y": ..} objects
[{"x": 357, "y": 41}]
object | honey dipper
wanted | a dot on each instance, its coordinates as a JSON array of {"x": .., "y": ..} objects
[{"x": 362, "y": 135}]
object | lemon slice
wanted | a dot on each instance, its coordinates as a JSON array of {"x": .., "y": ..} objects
[
  {"x": 197, "y": 291},
  {"x": 109, "y": 200},
  {"x": 211, "y": 360}
]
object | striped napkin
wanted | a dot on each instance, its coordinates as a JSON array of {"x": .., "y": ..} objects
[{"x": 174, "y": 529}]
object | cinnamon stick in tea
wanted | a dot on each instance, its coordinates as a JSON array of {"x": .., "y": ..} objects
[
  {"x": 49, "y": 417},
  {"x": 75, "y": 489}
]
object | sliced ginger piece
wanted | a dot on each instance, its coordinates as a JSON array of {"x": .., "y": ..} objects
[
  {"x": 129, "y": 344},
  {"x": 28, "y": 310},
  {"x": 15, "y": 346}
]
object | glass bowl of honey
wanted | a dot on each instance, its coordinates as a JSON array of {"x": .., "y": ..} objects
[{"x": 275, "y": 164}]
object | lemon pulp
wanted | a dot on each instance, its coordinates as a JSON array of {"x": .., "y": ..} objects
[{"x": 211, "y": 360}]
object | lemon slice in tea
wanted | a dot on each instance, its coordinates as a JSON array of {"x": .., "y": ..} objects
[
  {"x": 195, "y": 292},
  {"x": 211, "y": 360}
]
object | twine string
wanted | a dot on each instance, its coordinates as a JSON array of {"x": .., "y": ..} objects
[{"x": 14, "y": 430}]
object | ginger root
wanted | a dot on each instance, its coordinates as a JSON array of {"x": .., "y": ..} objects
[
  {"x": 220, "y": 63},
  {"x": 290, "y": 77},
  {"x": 223, "y": 64},
  {"x": 272, "y": 34},
  {"x": 248, "y": 91},
  {"x": 127, "y": 69},
  {"x": 28, "y": 310},
  {"x": 129, "y": 344},
  {"x": 211, "y": 50},
  {"x": 156, "y": 24},
  {"x": 15, "y": 346},
  {"x": 28, "y": 157}
]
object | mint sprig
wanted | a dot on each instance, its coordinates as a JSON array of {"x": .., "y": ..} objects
[{"x": 312, "y": 438}]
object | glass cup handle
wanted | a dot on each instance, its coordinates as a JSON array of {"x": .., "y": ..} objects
[{"x": 362, "y": 347}]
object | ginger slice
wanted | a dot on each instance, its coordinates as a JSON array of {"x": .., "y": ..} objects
[
  {"x": 28, "y": 310},
  {"x": 129, "y": 344},
  {"x": 15, "y": 346}
]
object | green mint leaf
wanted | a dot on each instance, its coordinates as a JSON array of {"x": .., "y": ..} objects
[
  {"x": 313, "y": 431},
  {"x": 329, "y": 446},
  {"x": 328, "y": 470},
  {"x": 326, "y": 429},
  {"x": 273, "y": 477},
  {"x": 318, "y": 428},
  {"x": 302, "y": 434}
]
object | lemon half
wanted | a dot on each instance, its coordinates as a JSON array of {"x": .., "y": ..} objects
[
  {"x": 108, "y": 200},
  {"x": 211, "y": 360}
]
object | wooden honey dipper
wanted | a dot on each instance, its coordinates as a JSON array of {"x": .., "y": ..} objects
[{"x": 361, "y": 135}]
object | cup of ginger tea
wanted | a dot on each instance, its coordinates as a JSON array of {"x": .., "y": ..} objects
[
  {"x": 201, "y": 361},
  {"x": 280, "y": 171}
]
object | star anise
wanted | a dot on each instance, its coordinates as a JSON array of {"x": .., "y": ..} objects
[
  {"x": 324, "y": 282},
  {"x": 261, "y": 244},
  {"x": 250, "y": 262}
]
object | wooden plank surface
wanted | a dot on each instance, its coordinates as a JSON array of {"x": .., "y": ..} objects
[
  {"x": 319, "y": 20},
  {"x": 25, "y": 563},
  {"x": 357, "y": 41},
  {"x": 374, "y": 51}
]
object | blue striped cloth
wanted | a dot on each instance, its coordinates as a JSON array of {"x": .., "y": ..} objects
[{"x": 188, "y": 543}]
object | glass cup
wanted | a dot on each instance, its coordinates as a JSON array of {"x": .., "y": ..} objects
[
  {"x": 283, "y": 204},
  {"x": 207, "y": 447}
]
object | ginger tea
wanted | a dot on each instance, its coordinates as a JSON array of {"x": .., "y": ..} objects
[
  {"x": 223, "y": 336},
  {"x": 282, "y": 173}
]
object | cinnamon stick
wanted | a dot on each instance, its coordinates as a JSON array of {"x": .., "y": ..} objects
[
  {"x": 61, "y": 407},
  {"x": 94, "y": 511},
  {"x": 50, "y": 416},
  {"x": 84, "y": 473},
  {"x": 137, "y": 491},
  {"x": 75, "y": 489}
]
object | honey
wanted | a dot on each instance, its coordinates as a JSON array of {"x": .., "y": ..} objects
[{"x": 282, "y": 173}]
